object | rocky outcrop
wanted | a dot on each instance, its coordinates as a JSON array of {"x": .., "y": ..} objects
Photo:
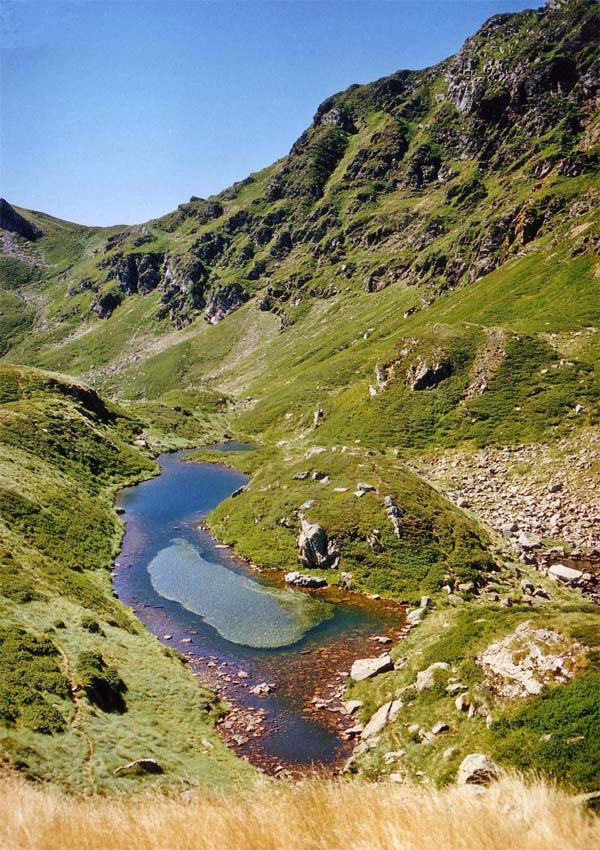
[
  {"x": 181, "y": 279},
  {"x": 393, "y": 514},
  {"x": 315, "y": 550},
  {"x": 14, "y": 222},
  {"x": 525, "y": 661},
  {"x": 426, "y": 376},
  {"x": 106, "y": 303},
  {"x": 224, "y": 301},
  {"x": 134, "y": 272},
  {"x": 183, "y": 282}
]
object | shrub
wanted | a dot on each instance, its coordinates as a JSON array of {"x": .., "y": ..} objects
[
  {"x": 102, "y": 684},
  {"x": 43, "y": 718}
]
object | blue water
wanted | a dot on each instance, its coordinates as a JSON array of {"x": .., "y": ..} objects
[{"x": 212, "y": 606}]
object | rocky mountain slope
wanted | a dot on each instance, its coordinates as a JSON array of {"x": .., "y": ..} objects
[{"x": 402, "y": 314}]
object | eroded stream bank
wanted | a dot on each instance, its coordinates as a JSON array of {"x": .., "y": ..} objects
[{"x": 278, "y": 656}]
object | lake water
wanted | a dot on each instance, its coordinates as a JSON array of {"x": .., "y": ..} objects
[{"x": 238, "y": 627}]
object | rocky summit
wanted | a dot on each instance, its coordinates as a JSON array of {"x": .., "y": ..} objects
[{"x": 398, "y": 321}]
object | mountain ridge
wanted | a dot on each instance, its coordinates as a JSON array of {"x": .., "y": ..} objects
[{"x": 468, "y": 103}]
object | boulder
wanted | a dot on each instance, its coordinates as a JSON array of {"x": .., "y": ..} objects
[
  {"x": 366, "y": 488},
  {"x": 300, "y": 580},
  {"x": 477, "y": 769},
  {"x": 415, "y": 616},
  {"x": 462, "y": 702},
  {"x": 138, "y": 767},
  {"x": 367, "y": 668},
  {"x": 387, "y": 713},
  {"x": 426, "y": 678},
  {"x": 314, "y": 548},
  {"x": 529, "y": 541},
  {"x": 564, "y": 574}
]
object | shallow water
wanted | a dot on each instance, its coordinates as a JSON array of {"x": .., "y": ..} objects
[
  {"x": 228, "y": 619},
  {"x": 237, "y": 607}
]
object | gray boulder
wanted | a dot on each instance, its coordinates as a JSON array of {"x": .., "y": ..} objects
[
  {"x": 426, "y": 678},
  {"x": 300, "y": 580},
  {"x": 386, "y": 714},
  {"x": 367, "y": 668},
  {"x": 564, "y": 574},
  {"x": 415, "y": 616},
  {"x": 477, "y": 769},
  {"x": 315, "y": 550},
  {"x": 138, "y": 767}
]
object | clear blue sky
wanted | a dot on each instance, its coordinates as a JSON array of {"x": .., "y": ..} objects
[{"x": 115, "y": 112}]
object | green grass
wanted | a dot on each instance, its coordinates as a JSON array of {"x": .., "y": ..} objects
[
  {"x": 436, "y": 538},
  {"x": 31, "y": 678},
  {"x": 558, "y": 733},
  {"x": 84, "y": 687},
  {"x": 516, "y": 737}
]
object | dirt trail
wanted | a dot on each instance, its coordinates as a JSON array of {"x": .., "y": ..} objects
[{"x": 78, "y": 718}]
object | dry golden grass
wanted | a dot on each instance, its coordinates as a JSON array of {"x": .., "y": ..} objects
[{"x": 313, "y": 815}]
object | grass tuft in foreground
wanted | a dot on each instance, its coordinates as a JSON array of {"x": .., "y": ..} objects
[{"x": 313, "y": 815}]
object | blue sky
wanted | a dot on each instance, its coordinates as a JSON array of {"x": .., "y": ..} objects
[{"x": 115, "y": 112}]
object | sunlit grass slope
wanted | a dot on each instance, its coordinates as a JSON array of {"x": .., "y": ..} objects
[{"x": 84, "y": 688}]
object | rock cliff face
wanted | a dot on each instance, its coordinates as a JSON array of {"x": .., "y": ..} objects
[
  {"x": 181, "y": 279},
  {"x": 224, "y": 301}
]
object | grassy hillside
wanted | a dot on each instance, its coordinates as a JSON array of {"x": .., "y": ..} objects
[
  {"x": 84, "y": 688},
  {"x": 422, "y": 182}
]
